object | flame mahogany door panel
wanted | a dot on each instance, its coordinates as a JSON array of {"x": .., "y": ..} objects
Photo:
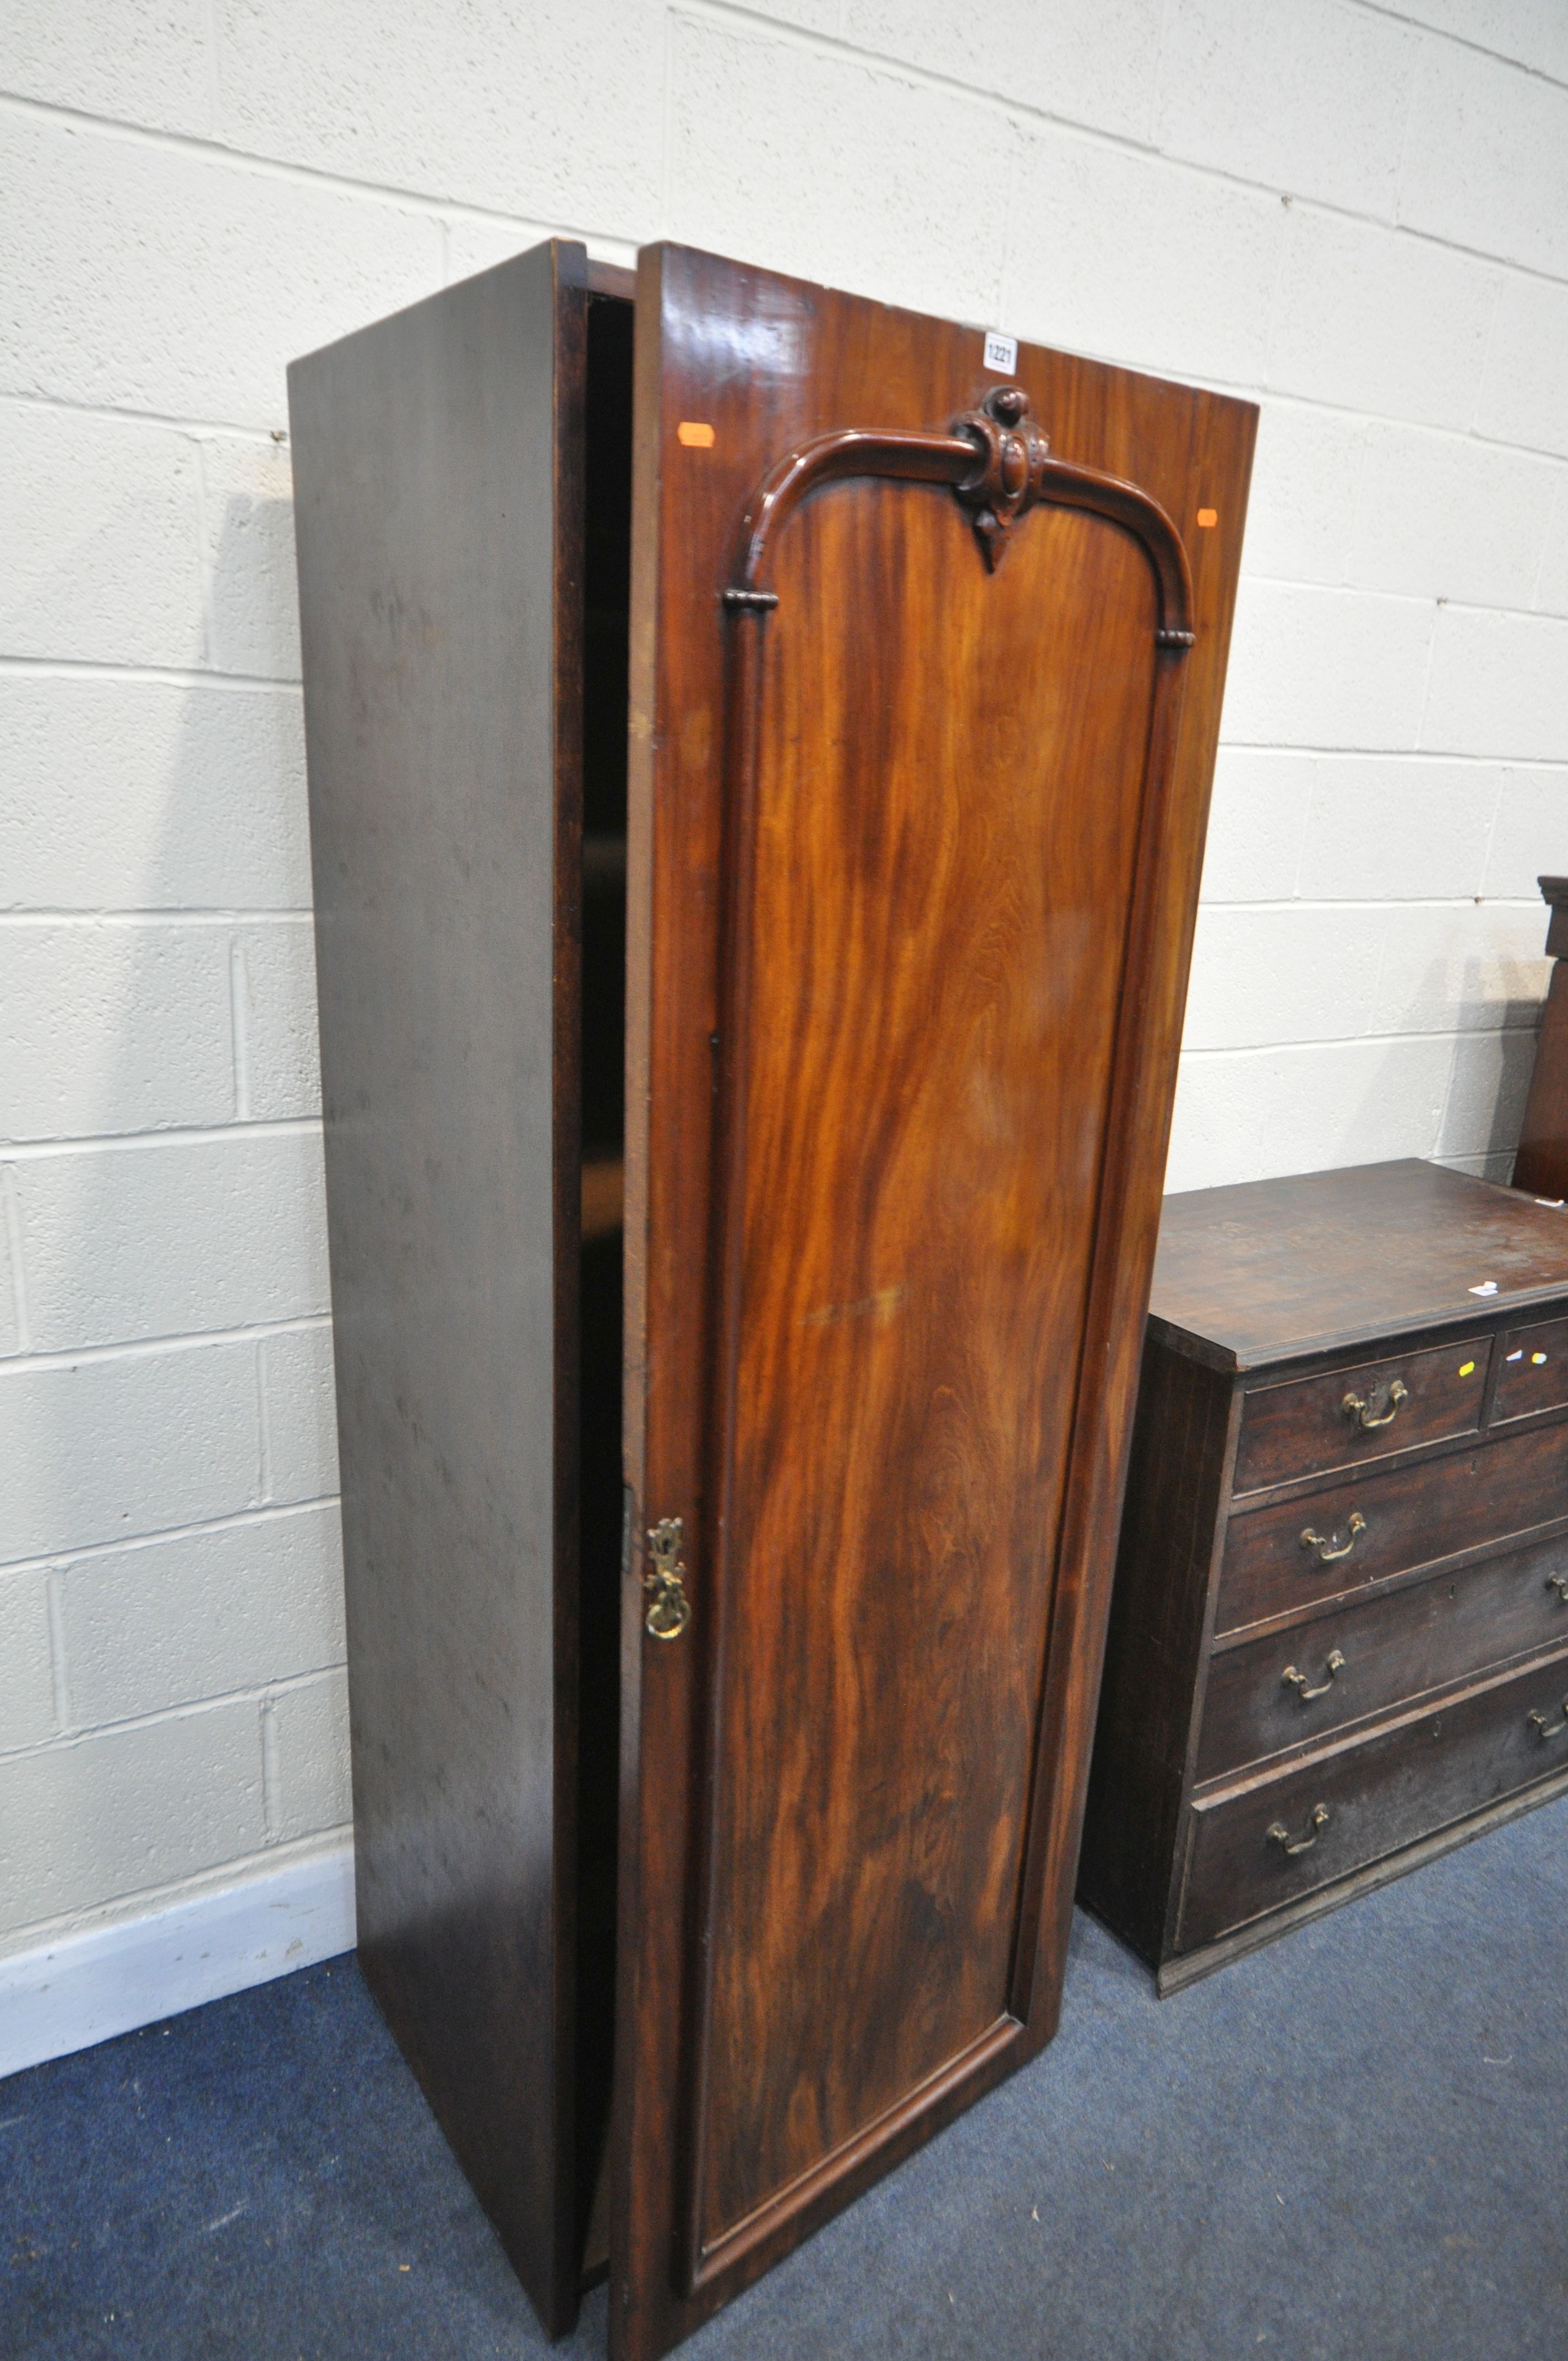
[{"x": 927, "y": 665}]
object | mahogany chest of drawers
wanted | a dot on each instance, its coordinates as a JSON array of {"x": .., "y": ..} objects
[{"x": 1339, "y": 1635}]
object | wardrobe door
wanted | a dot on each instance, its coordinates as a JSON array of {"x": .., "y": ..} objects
[
  {"x": 439, "y": 476},
  {"x": 923, "y": 716}
]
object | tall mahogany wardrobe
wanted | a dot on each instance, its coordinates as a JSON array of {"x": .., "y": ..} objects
[{"x": 759, "y": 744}]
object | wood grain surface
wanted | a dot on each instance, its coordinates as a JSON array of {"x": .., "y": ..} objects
[
  {"x": 936, "y": 937},
  {"x": 1271, "y": 1270},
  {"x": 1394, "y": 1646},
  {"x": 896, "y": 1114},
  {"x": 1412, "y": 1516},
  {"x": 1304, "y": 1428},
  {"x": 438, "y": 476},
  {"x": 1161, "y": 1625},
  {"x": 1419, "y": 1775},
  {"x": 1533, "y": 1371}
]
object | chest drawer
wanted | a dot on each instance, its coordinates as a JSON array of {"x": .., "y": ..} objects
[
  {"x": 1364, "y": 1528},
  {"x": 1278, "y": 1838},
  {"x": 1310, "y": 1680},
  {"x": 1533, "y": 1374},
  {"x": 1308, "y": 1426}
]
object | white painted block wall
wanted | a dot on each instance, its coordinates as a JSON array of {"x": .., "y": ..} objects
[{"x": 1357, "y": 212}]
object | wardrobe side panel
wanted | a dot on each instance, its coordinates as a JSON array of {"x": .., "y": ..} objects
[{"x": 438, "y": 472}]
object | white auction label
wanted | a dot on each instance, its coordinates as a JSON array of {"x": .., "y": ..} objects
[{"x": 1000, "y": 352}]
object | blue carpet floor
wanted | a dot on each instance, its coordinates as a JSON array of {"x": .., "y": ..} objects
[{"x": 1349, "y": 2147}]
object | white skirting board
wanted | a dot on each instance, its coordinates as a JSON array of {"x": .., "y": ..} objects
[{"x": 84, "y": 1988}]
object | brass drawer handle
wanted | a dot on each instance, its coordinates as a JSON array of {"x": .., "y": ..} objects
[
  {"x": 1328, "y": 1545},
  {"x": 1544, "y": 1728},
  {"x": 1298, "y": 1681},
  {"x": 1280, "y": 1834},
  {"x": 669, "y": 1608},
  {"x": 1362, "y": 1413},
  {"x": 1559, "y": 1583}
]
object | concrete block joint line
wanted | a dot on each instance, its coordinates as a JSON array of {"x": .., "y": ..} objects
[{"x": 1355, "y": 211}]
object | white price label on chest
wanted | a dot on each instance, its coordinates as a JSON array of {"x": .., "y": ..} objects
[{"x": 1000, "y": 352}]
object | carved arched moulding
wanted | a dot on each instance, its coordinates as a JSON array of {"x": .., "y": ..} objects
[{"x": 998, "y": 461}]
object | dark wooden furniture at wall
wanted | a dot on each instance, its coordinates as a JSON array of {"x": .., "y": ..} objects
[
  {"x": 1542, "y": 1164},
  {"x": 1339, "y": 1639},
  {"x": 750, "y": 769}
]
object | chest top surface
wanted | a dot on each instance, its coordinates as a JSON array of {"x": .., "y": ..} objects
[{"x": 1276, "y": 1271}]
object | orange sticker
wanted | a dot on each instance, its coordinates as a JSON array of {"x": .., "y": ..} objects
[
  {"x": 695, "y": 433},
  {"x": 1208, "y": 516}
]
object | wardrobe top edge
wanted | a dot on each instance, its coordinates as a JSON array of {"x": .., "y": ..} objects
[{"x": 616, "y": 282}]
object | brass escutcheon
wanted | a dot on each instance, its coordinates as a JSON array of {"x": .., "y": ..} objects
[
  {"x": 1544, "y": 1728},
  {"x": 669, "y": 1608}
]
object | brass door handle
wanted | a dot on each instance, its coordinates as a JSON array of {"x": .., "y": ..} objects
[
  {"x": 1361, "y": 1413},
  {"x": 1280, "y": 1834},
  {"x": 669, "y": 1608},
  {"x": 1544, "y": 1728},
  {"x": 1328, "y": 1545},
  {"x": 1559, "y": 1583},
  {"x": 1298, "y": 1681}
]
